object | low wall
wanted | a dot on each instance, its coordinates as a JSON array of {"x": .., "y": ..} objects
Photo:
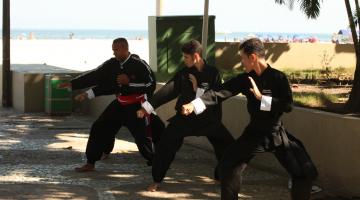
[
  {"x": 333, "y": 142},
  {"x": 295, "y": 56}
]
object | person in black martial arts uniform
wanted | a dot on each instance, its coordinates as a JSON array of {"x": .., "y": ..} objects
[
  {"x": 187, "y": 84},
  {"x": 132, "y": 81},
  {"x": 268, "y": 96}
]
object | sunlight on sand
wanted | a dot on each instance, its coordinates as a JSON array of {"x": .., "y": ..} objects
[
  {"x": 122, "y": 175},
  {"x": 205, "y": 179},
  {"x": 77, "y": 142},
  {"x": 20, "y": 175},
  {"x": 244, "y": 196}
]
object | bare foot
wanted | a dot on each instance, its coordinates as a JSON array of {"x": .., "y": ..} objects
[
  {"x": 104, "y": 156},
  {"x": 153, "y": 187},
  {"x": 85, "y": 168}
]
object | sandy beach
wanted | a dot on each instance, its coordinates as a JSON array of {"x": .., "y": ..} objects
[
  {"x": 87, "y": 54},
  {"x": 75, "y": 54}
]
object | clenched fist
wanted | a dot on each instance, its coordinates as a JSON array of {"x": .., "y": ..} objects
[
  {"x": 122, "y": 79},
  {"x": 187, "y": 109},
  {"x": 81, "y": 97},
  {"x": 141, "y": 113}
]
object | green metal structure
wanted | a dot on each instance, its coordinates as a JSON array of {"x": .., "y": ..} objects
[
  {"x": 57, "y": 101},
  {"x": 170, "y": 33}
]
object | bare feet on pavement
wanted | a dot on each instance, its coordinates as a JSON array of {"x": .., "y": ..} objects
[
  {"x": 105, "y": 156},
  {"x": 85, "y": 168},
  {"x": 217, "y": 182},
  {"x": 153, "y": 187}
]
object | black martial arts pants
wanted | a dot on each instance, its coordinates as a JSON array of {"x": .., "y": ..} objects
[
  {"x": 104, "y": 129},
  {"x": 237, "y": 156},
  {"x": 156, "y": 125},
  {"x": 181, "y": 126}
]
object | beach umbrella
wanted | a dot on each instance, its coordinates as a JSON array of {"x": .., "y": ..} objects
[{"x": 344, "y": 32}]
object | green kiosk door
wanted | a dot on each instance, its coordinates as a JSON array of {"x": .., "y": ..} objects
[
  {"x": 166, "y": 36},
  {"x": 57, "y": 101}
]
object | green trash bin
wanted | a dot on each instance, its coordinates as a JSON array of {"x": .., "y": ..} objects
[{"x": 57, "y": 101}]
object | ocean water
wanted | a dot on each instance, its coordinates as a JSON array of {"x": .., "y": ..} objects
[
  {"x": 143, "y": 34},
  {"x": 78, "y": 34}
]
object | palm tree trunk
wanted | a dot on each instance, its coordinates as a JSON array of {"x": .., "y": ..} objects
[
  {"x": 6, "y": 79},
  {"x": 353, "y": 104}
]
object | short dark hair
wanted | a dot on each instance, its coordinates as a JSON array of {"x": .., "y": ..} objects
[
  {"x": 121, "y": 41},
  {"x": 253, "y": 45},
  {"x": 192, "y": 47}
]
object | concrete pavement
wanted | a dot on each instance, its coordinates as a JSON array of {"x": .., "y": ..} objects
[{"x": 38, "y": 154}]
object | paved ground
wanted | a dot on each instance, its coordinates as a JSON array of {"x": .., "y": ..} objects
[{"x": 38, "y": 154}]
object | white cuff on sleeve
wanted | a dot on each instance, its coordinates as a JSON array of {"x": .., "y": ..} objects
[
  {"x": 148, "y": 107},
  {"x": 199, "y": 92},
  {"x": 90, "y": 94},
  {"x": 265, "y": 103},
  {"x": 199, "y": 106}
]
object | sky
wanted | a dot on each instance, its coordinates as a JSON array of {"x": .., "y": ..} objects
[{"x": 231, "y": 15}]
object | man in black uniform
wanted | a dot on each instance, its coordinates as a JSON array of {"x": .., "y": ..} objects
[
  {"x": 187, "y": 84},
  {"x": 268, "y": 95},
  {"x": 132, "y": 81}
]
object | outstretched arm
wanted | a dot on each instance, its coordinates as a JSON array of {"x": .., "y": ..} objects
[
  {"x": 90, "y": 78},
  {"x": 212, "y": 97},
  {"x": 165, "y": 94}
]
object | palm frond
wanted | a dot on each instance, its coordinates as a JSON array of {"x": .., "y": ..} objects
[
  {"x": 280, "y": 1},
  {"x": 290, "y": 3},
  {"x": 310, "y": 7}
]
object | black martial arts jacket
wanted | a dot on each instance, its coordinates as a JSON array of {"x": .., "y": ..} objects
[
  {"x": 103, "y": 79},
  {"x": 180, "y": 86},
  {"x": 271, "y": 83}
]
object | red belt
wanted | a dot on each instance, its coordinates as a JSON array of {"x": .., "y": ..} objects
[{"x": 132, "y": 99}]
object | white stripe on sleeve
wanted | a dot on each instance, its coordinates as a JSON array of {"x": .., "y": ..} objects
[
  {"x": 265, "y": 103},
  {"x": 199, "y": 106},
  {"x": 148, "y": 107},
  {"x": 90, "y": 94}
]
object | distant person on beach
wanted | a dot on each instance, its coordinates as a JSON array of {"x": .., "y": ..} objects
[
  {"x": 31, "y": 36},
  {"x": 22, "y": 36},
  {"x": 132, "y": 81},
  {"x": 71, "y": 35},
  {"x": 190, "y": 82},
  {"x": 268, "y": 96},
  {"x": 335, "y": 38}
]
